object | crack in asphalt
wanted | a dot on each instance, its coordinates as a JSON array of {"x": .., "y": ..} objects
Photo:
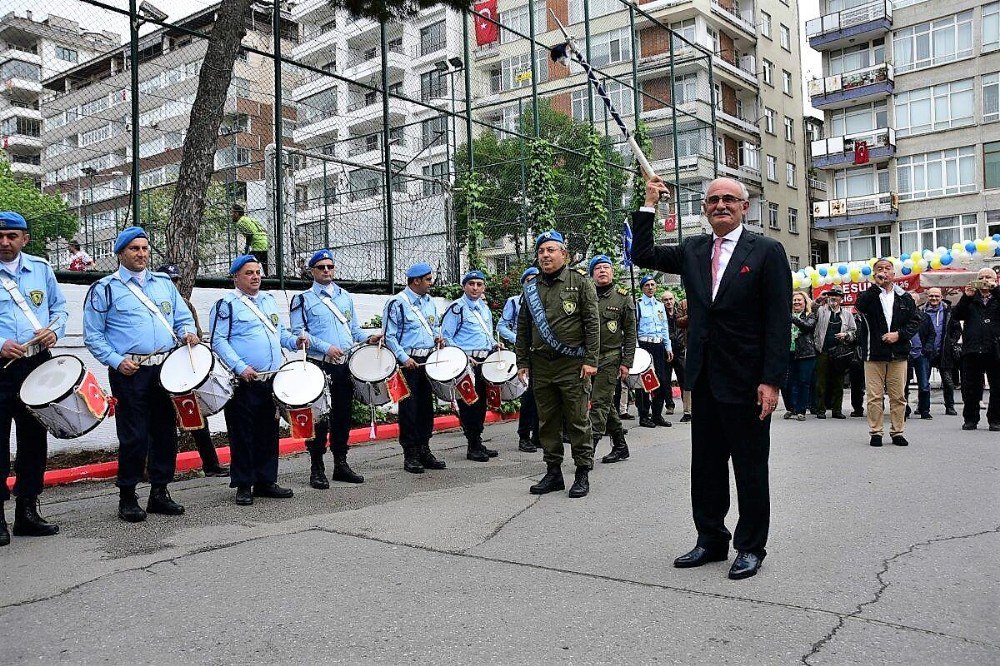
[
  {"x": 883, "y": 586},
  {"x": 503, "y": 524}
]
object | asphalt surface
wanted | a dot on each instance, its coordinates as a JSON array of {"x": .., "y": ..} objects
[{"x": 876, "y": 556}]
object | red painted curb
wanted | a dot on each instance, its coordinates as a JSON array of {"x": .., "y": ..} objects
[{"x": 188, "y": 460}]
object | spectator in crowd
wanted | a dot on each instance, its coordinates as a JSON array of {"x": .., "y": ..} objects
[
  {"x": 979, "y": 311},
  {"x": 919, "y": 366},
  {"x": 946, "y": 334},
  {"x": 678, "y": 342},
  {"x": 835, "y": 336},
  {"x": 78, "y": 259},
  {"x": 798, "y": 386}
]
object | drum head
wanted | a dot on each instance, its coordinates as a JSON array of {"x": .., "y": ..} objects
[
  {"x": 500, "y": 366},
  {"x": 179, "y": 375},
  {"x": 298, "y": 383},
  {"x": 446, "y": 364},
  {"x": 371, "y": 363},
  {"x": 51, "y": 381},
  {"x": 643, "y": 359}
]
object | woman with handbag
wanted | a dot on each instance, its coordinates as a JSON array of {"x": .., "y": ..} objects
[
  {"x": 836, "y": 343},
  {"x": 798, "y": 387}
]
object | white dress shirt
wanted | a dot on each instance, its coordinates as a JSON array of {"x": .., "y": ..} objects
[
  {"x": 887, "y": 299},
  {"x": 729, "y": 242}
]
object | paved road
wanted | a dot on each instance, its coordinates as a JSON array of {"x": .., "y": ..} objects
[{"x": 876, "y": 556}]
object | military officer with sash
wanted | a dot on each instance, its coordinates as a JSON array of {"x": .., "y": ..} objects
[
  {"x": 654, "y": 338},
  {"x": 412, "y": 333},
  {"x": 132, "y": 319},
  {"x": 558, "y": 343},
  {"x": 32, "y": 317},
  {"x": 326, "y": 313},
  {"x": 248, "y": 336},
  {"x": 617, "y": 353},
  {"x": 527, "y": 423},
  {"x": 468, "y": 324}
]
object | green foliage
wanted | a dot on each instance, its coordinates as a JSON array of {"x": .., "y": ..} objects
[
  {"x": 154, "y": 216},
  {"x": 472, "y": 184},
  {"x": 374, "y": 322},
  {"x": 499, "y": 288},
  {"x": 361, "y": 414},
  {"x": 394, "y": 9},
  {"x": 541, "y": 189},
  {"x": 47, "y": 215},
  {"x": 595, "y": 187},
  {"x": 641, "y": 135}
]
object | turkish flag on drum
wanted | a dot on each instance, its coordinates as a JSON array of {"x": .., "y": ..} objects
[
  {"x": 93, "y": 395},
  {"x": 493, "y": 397},
  {"x": 301, "y": 423},
  {"x": 650, "y": 382},
  {"x": 188, "y": 412},
  {"x": 396, "y": 385},
  {"x": 466, "y": 388},
  {"x": 486, "y": 31}
]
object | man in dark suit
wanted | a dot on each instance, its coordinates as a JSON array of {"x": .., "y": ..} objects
[{"x": 738, "y": 288}]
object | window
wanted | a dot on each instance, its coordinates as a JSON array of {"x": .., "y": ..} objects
[
  {"x": 18, "y": 69},
  {"x": 992, "y": 222},
  {"x": 768, "y": 72},
  {"x": 515, "y": 72},
  {"x": 772, "y": 168},
  {"x": 789, "y": 174},
  {"x": 433, "y": 84},
  {"x": 364, "y": 183},
  {"x": 319, "y": 106},
  {"x": 685, "y": 88},
  {"x": 863, "y": 118},
  {"x": 434, "y": 132},
  {"x": 517, "y": 20},
  {"x": 95, "y": 135},
  {"x": 750, "y": 156},
  {"x": 917, "y": 235},
  {"x": 595, "y": 8},
  {"x": 765, "y": 24},
  {"x": 432, "y": 38},
  {"x": 793, "y": 220},
  {"x": 794, "y": 261},
  {"x": 933, "y": 43},
  {"x": 937, "y": 174},
  {"x": 772, "y": 216},
  {"x": 785, "y": 35},
  {"x": 935, "y": 108},
  {"x": 620, "y": 95},
  {"x": 789, "y": 129},
  {"x": 991, "y": 97},
  {"x": 860, "y": 182},
  {"x": 769, "y": 120},
  {"x": 865, "y": 243},
  {"x": 685, "y": 29},
  {"x": 857, "y": 57},
  {"x": 436, "y": 170},
  {"x": 69, "y": 55},
  {"x": 991, "y": 164},
  {"x": 991, "y": 26},
  {"x": 786, "y": 82},
  {"x": 610, "y": 47}
]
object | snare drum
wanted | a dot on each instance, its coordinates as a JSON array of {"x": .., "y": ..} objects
[
  {"x": 500, "y": 369},
  {"x": 300, "y": 384},
  {"x": 445, "y": 368},
  {"x": 199, "y": 372},
  {"x": 643, "y": 362},
  {"x": 65, "y": 397},
  {"x": 371, "y": 368}
]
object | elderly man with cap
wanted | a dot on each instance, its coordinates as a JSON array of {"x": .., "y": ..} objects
[
  {"x": 254, "y": 233},
  {"x": 654, "y": 338},
  {"x": 132, "y": 319},
  {"x": 412, "y": 332},
  {"x": 558, "y": 343},
  {"x": 527, "y": 423},
  {"x": 617, "y": 354},
  {"x": 326, "y": 313},
  {"x": 836, "y": 331},
  {"x": 248, "y": 336},
  {"x": 32, "y": 317},
  {"x": 468, "y": 324}
]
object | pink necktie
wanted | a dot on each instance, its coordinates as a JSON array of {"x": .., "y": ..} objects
[{"x": 716, "y": 258}]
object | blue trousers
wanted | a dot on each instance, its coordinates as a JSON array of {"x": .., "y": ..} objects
[{"x": 800, "y": 384}]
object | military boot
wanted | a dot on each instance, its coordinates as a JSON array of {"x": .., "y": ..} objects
[
  {"x": 128, "y": 506},
  {"x": 492, "y": 453},
  {"x": 343, "y": 472},
  {"x": 411, "y": 461},
  {"x": 526, "y": 445},
  {"x": 27, "y": 522},
  {"x": 317, "y": 471},
  {"x": 476, "y": 453},
  {"x": 552, "y": 481},
  {"x": 428, "y": 460},
  {"x": 619, "y": 449},
  {"x": 161, "y": 502},
  {"x": 581, "y": 483},
  {"x": 4, "y": 533}
]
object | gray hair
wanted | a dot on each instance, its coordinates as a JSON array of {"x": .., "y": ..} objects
[{"x": 744, "y": 192}]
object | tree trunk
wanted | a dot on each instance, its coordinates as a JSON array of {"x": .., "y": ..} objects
[{"x": 198, "y": 161}]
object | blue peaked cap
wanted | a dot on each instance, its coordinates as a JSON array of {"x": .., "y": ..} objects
[
  {"x": 418, "y": 270},
  {"x": 320, "y": 256},
  {"x": 599, "y": 259},
  {"x": 528, "y": 272},
  {"x": 9, "y": 220},
  {"x": 127, "y": 235},
  {"x": 473, "y": 275},
  {"x": 550, "y": 235},
  {"x": 239, "y": 262},
  {"x": 645, "y": 279}
]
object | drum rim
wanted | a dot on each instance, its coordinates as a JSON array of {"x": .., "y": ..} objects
[
  {"x": 73, "y": 387},
  {"x": 326, "y": 385},
  {"x": 159, "y": 379},
  {"x": 468, "y": 362},
  {"x": 79, "y": 434},
  {"x": 637, "y": 349},
  {"x": 487, "y": 361},
  {"x": 395, "y": 364}
]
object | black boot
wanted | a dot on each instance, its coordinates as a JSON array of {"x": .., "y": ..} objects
[
  {"x": 343, "y": 472},
  {"x": 492, "y": 453},
  {"x": 526, "y": 445},
  {"x": 476, "y": 452},
  {"x": 581, "y": 484},
  {"x": 161, "y": 502},
  {"x": 428, "y": 460},
  {"x": 619, "y": 449},
  {"x": 317, "y": 471},
  {"x": 4, "y": 533},
  {"x": 27, "y": 522},
  {"x": 128, "y": 506},
  {"x": 411, "y": 461},
  {"x": 552, "y": 481}
]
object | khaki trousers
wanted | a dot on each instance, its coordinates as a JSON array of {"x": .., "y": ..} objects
[{"x": 882, "y": 377}]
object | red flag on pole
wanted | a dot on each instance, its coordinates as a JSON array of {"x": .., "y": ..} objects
[
  {"x": 93, "y": 395},
  {"x": 487, "y": 32},
  {"x": 466, "y": 388},
  {"x": 650, "y": 382},
  {"x": 188, "y": 412},
  {"x": 860, "y": 152},
  {"x": 493, "y": 397},
  {"x": 397, "y": 388},
  {"x": 301, "y": 423}
]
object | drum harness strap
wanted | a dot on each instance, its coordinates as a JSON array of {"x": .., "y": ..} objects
[
  {"x": 537, "y": 311},
  {"x": 18, "y": 297},
  {"x": 150, "y": 306},
  {"x": 260, "y": 315}
]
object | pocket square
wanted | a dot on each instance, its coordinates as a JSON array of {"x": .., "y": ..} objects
[{"x": 744, "y": 269}]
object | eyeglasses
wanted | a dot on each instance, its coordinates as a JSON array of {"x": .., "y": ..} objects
[
  {"x": 324, "y": 267},
  {"x": 727, "y": 199}
]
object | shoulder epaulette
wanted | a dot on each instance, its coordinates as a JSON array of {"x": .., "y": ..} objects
[
  {"x": 623, "y": 291},
  {"x": 41, "y": 260}
]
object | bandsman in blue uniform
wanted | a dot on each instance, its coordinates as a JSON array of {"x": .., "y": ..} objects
[
  {"x": 248, "y": 336},
  {"x": 326, "y": 313},
  {"x": 412, "y": 333},
  {"x": 468, "y": 324},
  {"x": 132, "y": 319},
  {"x": 527, "y": 423},
  {"x": 32, "y": 310},
  {"x": 654, "y": 337}
]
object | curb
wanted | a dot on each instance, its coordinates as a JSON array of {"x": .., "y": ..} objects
[{"x": 188, "y": 460}]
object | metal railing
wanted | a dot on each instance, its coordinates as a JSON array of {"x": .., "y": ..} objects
[
  {"x": 884, "y": 202},
  {"x": 878, "y": 138},
  {"x": 857, "y": 78},
  {"x": 742, "y": 18},
  {"x": 827, "y": 23}
]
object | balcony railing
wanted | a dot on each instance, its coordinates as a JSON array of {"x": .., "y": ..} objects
[
  {"x": 742, "y": 17},
  {"x": 849, "y": 17},
  {"x": 857, "y": 78},
  {"x": 818, "y": 185},
  {"x": 843, "y": 145},
  {"x": 367, "y": 56},
  {"x": 884, "y": 202}
]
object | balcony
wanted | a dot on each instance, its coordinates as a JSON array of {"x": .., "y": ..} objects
[
  {"x": 363, "y": 67},
  {"x": 17, "y": 87},
  {"x": 312, "y": 83},
  {"x": 22, "y": 143},
  {"x": 316, "y": 42},
  {"x": 316, "y": 123},
  {"x": 740, "y": 18},
  {"x": 855, "y": 25},
  {"x": 365, "y": 116},
  {"x": 27, "y": 170},
  {"x": 743, "y": 125},
  {"x": 746, "y": 174},
  {"x": 838, "y": 151},
  {"x": 852, "y": 88},
  {"x": 744, "y": 72},
  {"x": 871, "y": 209}
]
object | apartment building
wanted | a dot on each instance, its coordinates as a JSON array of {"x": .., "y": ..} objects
[
  {"x": 30, "y": 51},
  {"x": 339, "y": 187},
  {"x": 911, "y": 153},
  {"x": 86, "y": 128},
  {"x": 735, "y": 100}
]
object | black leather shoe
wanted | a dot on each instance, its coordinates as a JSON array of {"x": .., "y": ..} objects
[
  {"x": 626, "y": 417},
  {"x": 660, "y": 421},
  {"x": 745, "y": 565},
  {"x": 899, "y": 440},
  {"x": 700, "y": 555},
  {"x": 950, "y": 411},
  {"x": 647, "y": 423},
  {"x": 272, "y": 490},
  {"x": 552, "y": 481},
  {"x": 217, "y": 470},
  {"x": 581, "y": 484},
  {"x": 343, "y": 472},
  {"x": 994, "y": 427},
  {"x": 619, "y": 450},
  {"x": 857, "y": 413},
  {"x": 428, "y": 460},
  {"x": 492, "y": 453},
  {"x": 926, "y": 416},
  {"x": 4, "y": 532},
  {"x": 839, "y": 415},
  {"x": 526, "y": 446},
  {"x": 411, "y": 463},
  {"x": 128, "y": 506},
  {"x": 969, "y": 426},
  {"x": 27, "y": 522},
  {"x": 476, "y": 454},
  {"x": 317, "y": 478},
  {"x": 161, "y": 502},
  {"x": 821, "y": 415},
  {"x": 244, "y": 496},
  {"x": 686, "y": 418},
  {"x": 876, "y": 440}
]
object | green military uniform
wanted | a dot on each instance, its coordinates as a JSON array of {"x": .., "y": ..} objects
[
  {"x": 618, "y": 339},
  {"x": 570, "y": 303}
]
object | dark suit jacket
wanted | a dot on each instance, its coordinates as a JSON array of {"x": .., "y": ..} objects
[
  {"x": 742, "y": 338},
  {"x": 906, "y": 319}
]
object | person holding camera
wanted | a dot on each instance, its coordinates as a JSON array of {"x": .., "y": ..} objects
[{"x": 979, "y": 311}]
